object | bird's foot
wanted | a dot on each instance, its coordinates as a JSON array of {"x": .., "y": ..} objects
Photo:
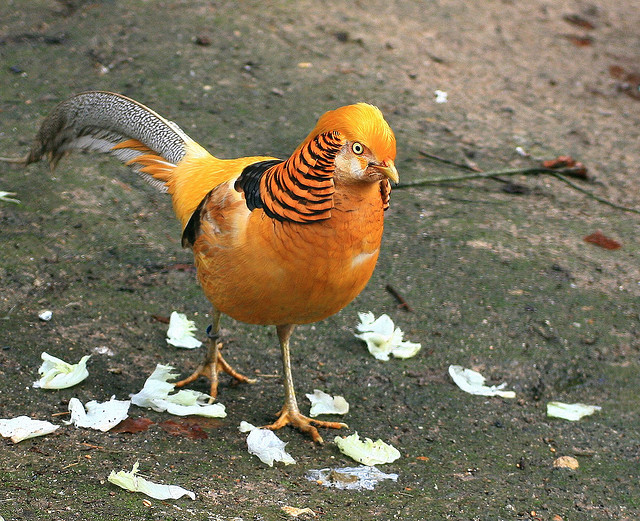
[
  {"x": 213, "y": 364},
  {"x": 292, "y": 416}
]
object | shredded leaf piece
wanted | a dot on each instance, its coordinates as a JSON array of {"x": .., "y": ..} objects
[
  {"x": 155, "y": 395},
  {"x": 295, "y": 512},
  {"x": 323, "y": 403},
  {"x": 383, "y": 338},
  {"x": 266, "y": 445},
  {"x": 570, "y": 411},
  {"x": 472, "y": 382},
  {"x": 130, "y": 481},
  {"x": 181, "y": 331},
  {"x": 367, "y": 451},
  {"x": 5, "y": 196},
  {"x": 246, "y": 426},
  {"x": 99, "y": 416},
  {"x": 58, "y": 374},
  {"x": 441, "y": 96},
  {"x": 23, "y": 428}
]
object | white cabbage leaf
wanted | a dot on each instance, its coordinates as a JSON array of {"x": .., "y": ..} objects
[
  {"x": 156, "y": 395},
  {"x": 181, "y": 331},
  {"x": 323, "y": 403},
  {"x": 58, "y": 374},
  {"x": 266, "y": 445},
  {"x": 99, "y": 416},
  {"x": 130, "y": 481},
  {"x": 383, "y": 338},
  {"x": 570, "y": 411},
  {"x": 367, "y": 451},
  {"x": 472, "y": 382},
  {"x": 23, "y": 427}
]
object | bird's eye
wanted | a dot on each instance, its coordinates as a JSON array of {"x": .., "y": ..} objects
[{"x": 357, "y": 148}]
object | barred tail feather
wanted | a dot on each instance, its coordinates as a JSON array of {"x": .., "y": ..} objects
[{"x": 111, "y": 123}]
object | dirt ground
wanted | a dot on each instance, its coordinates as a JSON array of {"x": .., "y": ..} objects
[{"x": 498, "y": 275}]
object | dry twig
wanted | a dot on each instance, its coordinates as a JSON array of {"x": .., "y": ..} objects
[
  {"x": 558, "y": 173},
  {"x": 402, "y": 303}
]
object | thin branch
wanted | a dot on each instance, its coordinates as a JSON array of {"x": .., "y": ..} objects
[
  {"x": 558, "y": 173},
  {"x": 484, "y": 175},
  {"x": 447, "y": 161},
  {"x": 402, "y": 303},
  {"x": 461, "y": 166},
  {"x": 14, "y": 160}
]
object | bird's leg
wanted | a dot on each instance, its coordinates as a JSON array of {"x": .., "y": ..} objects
[
  {"x": 290, "y": 413},
  {"x": 213, "y": 362}
]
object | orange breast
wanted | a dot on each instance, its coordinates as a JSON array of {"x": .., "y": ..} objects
[{"x": 262, "y": 271}]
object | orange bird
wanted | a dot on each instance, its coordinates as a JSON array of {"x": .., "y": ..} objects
[{"x": 275, "y": 242}]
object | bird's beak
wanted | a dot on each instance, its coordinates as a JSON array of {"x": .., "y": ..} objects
[{"x": 388, "y": 169}]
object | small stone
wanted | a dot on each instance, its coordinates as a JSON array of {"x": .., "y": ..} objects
[
  {"x": 45, "y": 315},
  {"x": 203, "y": 40}
]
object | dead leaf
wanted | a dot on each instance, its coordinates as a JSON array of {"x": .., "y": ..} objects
[
  {"x": 617, "y": 72},
  {"x": 559, "y": 162},
  {"x": 184, "y": 429},
  {"x": 577, "y": 168},
  {"x": 578, "y": 21},
  {"x": 600, "y": 239},
  {"x": 566, "y": 462},
  {"x": 579, "y": 41},
  {"x": 629, "y": 81},
  {"x": 295, "y": 512},
  {"x": 133, "y": 425}
]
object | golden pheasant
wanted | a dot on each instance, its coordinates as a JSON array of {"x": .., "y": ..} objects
[{"x": 275, "y": 242}]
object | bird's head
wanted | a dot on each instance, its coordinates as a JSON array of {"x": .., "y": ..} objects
[{"x": 369, "y": 151}]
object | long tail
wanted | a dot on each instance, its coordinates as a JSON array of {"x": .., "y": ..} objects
[{"x": 111, "y": 123}]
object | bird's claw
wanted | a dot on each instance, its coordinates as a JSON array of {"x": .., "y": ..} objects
[
  {"x": 210, "y": 368},
  {"x": 307, "y": 425}
]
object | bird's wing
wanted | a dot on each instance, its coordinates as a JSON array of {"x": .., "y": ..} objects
[{"x": 298, "y": 190}]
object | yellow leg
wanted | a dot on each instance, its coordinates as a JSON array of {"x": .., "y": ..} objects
[
  {"x": 290, "y": 413},
  {"x": 213, "y": 362}
]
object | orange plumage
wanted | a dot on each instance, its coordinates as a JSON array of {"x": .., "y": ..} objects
[{"x": 275, "y": 242}]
